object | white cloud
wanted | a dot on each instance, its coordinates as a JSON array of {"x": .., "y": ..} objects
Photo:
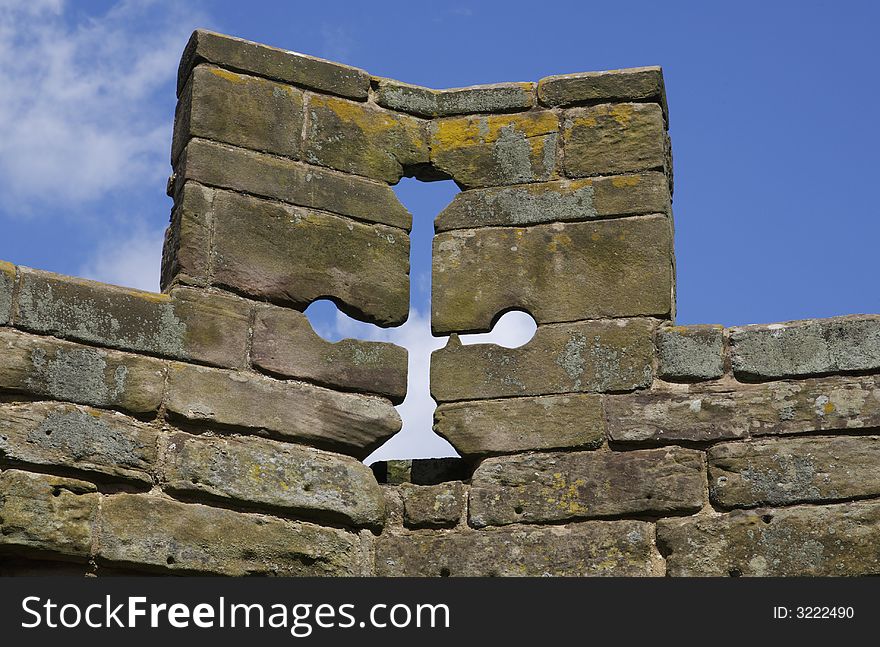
[{"x": 132, "y": 262}]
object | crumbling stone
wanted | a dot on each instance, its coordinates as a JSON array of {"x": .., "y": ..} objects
[
  {"x": 432, "y": 506},
  {"x": 186, "y": 254},
  {"x": 7, "y": 281}
]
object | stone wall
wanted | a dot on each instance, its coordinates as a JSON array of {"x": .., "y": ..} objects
[{"x": 208, "y": 429}]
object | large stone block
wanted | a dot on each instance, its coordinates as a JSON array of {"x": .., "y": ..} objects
[
  {"x": 349, "y": 423},
  {"x": 60, "y": 370},
  {"x": 809, "y": 541},
  {"x": 592, "y": 548},
  {"x": 186, "y": 254},
  {"x": 556, "y": 272},
  {"x": 614, "y": 138},
  {"x": 493, "y": 150},
  {"x": 363, "y": 139},
  {"x": 188, "y": 324},
  {"x": 782, "y": 471},
  {"x": 285, "y": 344},
  {"x": 46, "y": 513},
  {"x": 238, "y": 109},
  {"x": 566, "y": 358},
  {"x": 144, "y": 530},
  {"x": 811, "y": 346},
  {"x": 423, "y": 471},
  {"x": 227, "y": 167},
  {"x": 538, "y": 488},
  {"x": 558, "y": 201},
  {"x": 273, "y": 63},
  {"x": 7, "y": 281},
  {"x": 690, "y": 353},
  {"x": 432, "y": 506},
  {"x": 631, "y": 84},
  {"x": 510, "y": 425},
  {"x": 297, "y": 480},
  {"x": 834, "y": 403},
  {"x": 70, "y": 436},
  {"x": 425, "y": 102},
  {"x": 290, "y": 255}
]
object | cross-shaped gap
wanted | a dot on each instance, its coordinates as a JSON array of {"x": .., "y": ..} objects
[{"x": 417, "y": 439}]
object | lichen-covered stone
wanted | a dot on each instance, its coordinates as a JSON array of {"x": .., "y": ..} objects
[
  {"x": 7, "y": 281},
  {"x": 285, "y": 344},
  {"x": 304, "y": 482},
  {"x": 614, "y": 138},
  {"x": 509, "y": 425},
  {"x": 808, "y": 541},
  {"x": 46, "y": 513},
  {"x": 690, "y": 353},
  {"x": 423, "y": 471},
  {"x": 827, "y": 404},
  {"x": 782, "y": 471},
  {"x": 555, "y": 272},
  {"x": 559, "y": 201},
  {"x": 586, "y": 356},
  {"x": 539, "y": 488},
  {"x": 363, "y": 139},
  {"x": 226, "y": 167},
  {"x": 811, "y": 346},
  {"x": 45, "y": 367},
  {"x": 239, "y": 109},
  {"x": 631, "y": 84},
  {"x": 492, "y": 150},
  {"x": 349, "y": 423},
  {"x": 273, "y": 63},
  {"x": 186, "y": 325},
  {"x": 426, "y": 102},
  {"x": 70, "y": 436},
  {"x": 432, "y": 506},
  {"x": 592, "y": 548},
  {"x": 144, "y": 530},
  {"x": 187, "y": 248}
]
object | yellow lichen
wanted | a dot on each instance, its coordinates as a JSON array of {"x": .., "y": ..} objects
[
  {"x": 370, "y": 121},
  {"x": 828, "y": 408},
  {"x": 226, "y": 74},
  {"x": 461, "y": 132},
  {"x": 622, "y": 181}
]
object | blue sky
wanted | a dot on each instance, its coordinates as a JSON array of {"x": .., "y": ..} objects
[{"x": 772, "y": 115}]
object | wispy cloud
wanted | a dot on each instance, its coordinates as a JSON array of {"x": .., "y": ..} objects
[
  {"x": 336, "y": 42},
  {"x": 133, "y": 261}
]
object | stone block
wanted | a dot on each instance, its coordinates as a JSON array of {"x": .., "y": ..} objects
[
  {"x": 539, "y": 488},
  {"x": 510, "y": 425},
  {"x": 187, "y": 249},
  {"x": 592, "y": 548},
  {"x": 690, "y": 353},
  {"x": 285, "y": 344},
  {"x": 423, "y": 471},
  {"x": 349, "y": 423},
  {"x": 809, "y": 541},
  {"x": 614, "y": 138},
  {"x": 432, "y": 506},
  {"x": 261, "y": 246},
  {"x": 7, "y": 282},
  {"x": 144, "y": 530},
  {"x": 45, "y": 367},
  {"x": 631, "y": 84},
  {"x": 555, "y": 272},
  {"x": 587, "y": 356},
  {"x": 296, "y": 480},
  {"x": 425, "y": 102},
  {"x": 558, "y": 201},
  {"x": 75, "y": 437}
]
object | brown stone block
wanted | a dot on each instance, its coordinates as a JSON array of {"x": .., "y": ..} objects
[
  {"x": 432, "y": 506},
  {"x": 425, "y": 102}
]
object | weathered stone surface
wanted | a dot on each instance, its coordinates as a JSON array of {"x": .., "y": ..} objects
[
  {"x": 492, "y": 150},
  {"x": 239, "y": 109},
  {"x": 273, "y": 63},
  {"x": 65, "y": 371},
  {"x": 363, "y": 139},
  {"x": 186, "y": 325},
  {"x": 509, "y": 425},
  {"x": 566, "y": 358},
  {"x": 223, "y": 166},
  {"x": 833, "y": 403},
  {"x": 556, "y": 272},
  {"x": 187, "y": 248},
  {"x": 782, "y": 471},
  {"x": 806, "y": 541},
  {"x": 432, "y": 506},
  {"x": 46, "y": 513},
  {"x": 425, "y": 102},
  {"x": 592, "y": 548},
  {"x": 423, "y": 471},
  {"x": 7, "y": 281},
  {"x": 811, "y": 346},
  {"x": 150, "y": 531},
  {"x": 690, "y": 353},
  {"x": 350, "y": 423},
  {"x": 261, "y": 246},
  {"x": 631, "y": 84},
  {"x": 614, "y": 138},
  {"x": 536, "y": 488},
  {"x": 559, "y": 201},
  {"x": 285, "y": 344},
  {"x": 70, "y": 436},
  {"x": 301, "y": 481}
]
